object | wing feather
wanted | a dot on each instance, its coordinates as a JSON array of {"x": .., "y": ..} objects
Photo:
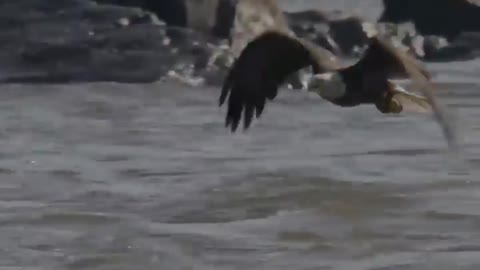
[
  {"x": 382, "y": 57},
  {"x": 399, "y": 64},
  {"x": 411, "y": 102},
  {"x": 264, "y": 64}
]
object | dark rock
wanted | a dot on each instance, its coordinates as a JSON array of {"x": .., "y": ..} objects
[
  {"x": 403, "y": 36},
  {"x": 314, "y": 26},
  {"x": 431, "y": 48},
  {"x": 209, "y": 16},
  {"x": 306, "y": 20},
  {"x": 215, "y": 68},
  {"x": 81, "y": 41},
  {"x": 435, "y": 17},
  {"x": 438, "y": 49},
  {"x": 138, "y": 67},
  {"x": 183, "y": 38},
  {"x": 337, "y": 32},
  {"x": 173, "y": 12},
  {"x": 224, "y": 19},
  {"x": 103, "y": 42},
  {"x": 48, "y": 54},
  {"x": 399, "y": 30},
  {"x": 307, "y": 16},
  {"x": 471, "y": 39},
  {"x": 348, "y": 33},
  {"x": 135, "y": 37},
  {"x": 28, "y": 7}
]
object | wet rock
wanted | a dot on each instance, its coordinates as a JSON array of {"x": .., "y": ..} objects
[
  {"x": 209, "y": 16},
  {"x": 102, "y": 42},
  {"x": 217, "y": 65},
  {"x": 81, "y": 41},
  {"x": 340, "y": 33},
  {"x": 85, "y": 41},
  {"x": 34, "y": 8},
  {"x": 225, "y": 13},
  {"x": 129, "y": 67},
  {"x": 173, "y": 12},
  {"x": 50, "y": 54},
  {"x": 401, "y": 31},
  {"x": 404, "y": 36},
  {"x": 306, "y": 21},
  {"x": 446, "y": 18},
  {"x": 348, "y": 33},
  {"x": 430, "y": 47},
  {"x": 314, "y": 26},
  {"x": 471, "y": 39},
  {"x": 183, "y": 38},
  {"x": 438, "y": 49},
  {"x": 306, "y": 17},
  {"x": 139, "y": 18}
]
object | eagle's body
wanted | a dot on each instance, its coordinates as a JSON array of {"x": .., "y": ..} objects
[
  {"x": 349, "y": 88},
  {"x": 266, "y": 62}
]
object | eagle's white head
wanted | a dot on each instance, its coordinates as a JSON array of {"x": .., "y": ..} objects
[{"x": 329, "y": 85}]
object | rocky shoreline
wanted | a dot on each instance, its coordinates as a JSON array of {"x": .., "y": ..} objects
[{"x": 61, "y": 41}]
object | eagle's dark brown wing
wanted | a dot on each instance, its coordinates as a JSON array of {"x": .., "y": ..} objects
[
  {"x": 383, "y": 58},
  {"x": 420, "y": 81},
  {"x": 261, "y": 68}
]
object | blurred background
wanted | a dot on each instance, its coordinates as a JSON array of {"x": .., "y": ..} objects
[{"x": 114, "y": 153}]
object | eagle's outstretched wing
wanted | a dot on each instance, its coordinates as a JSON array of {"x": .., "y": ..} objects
[
  {"x": 383, "y": 59},
  {"x": 410, "y": 102},
  {"x": 262, "y": 67},
  {"x": 382, "y": 56}
]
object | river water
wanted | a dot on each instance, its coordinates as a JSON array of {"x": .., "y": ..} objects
[{"x": 145, "y": 176}]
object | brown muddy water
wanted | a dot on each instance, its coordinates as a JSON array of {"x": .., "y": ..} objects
[{"x": 145, "y": 176}]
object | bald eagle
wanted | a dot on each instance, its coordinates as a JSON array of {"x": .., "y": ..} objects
[{"x": 271, "y": 57}]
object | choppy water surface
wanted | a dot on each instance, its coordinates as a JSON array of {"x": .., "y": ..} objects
[
  {"x": 118, "y": 176},
  {"x": 145, "y": 176}
]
